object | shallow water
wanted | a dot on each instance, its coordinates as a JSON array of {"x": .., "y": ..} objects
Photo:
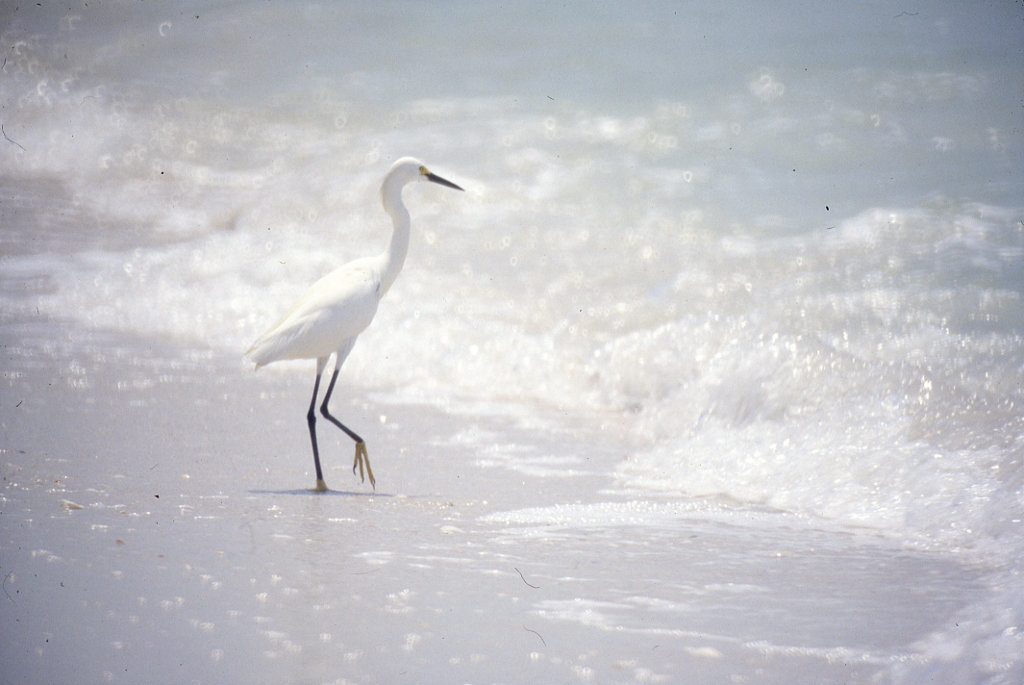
[
  {"x": 139, "y": 550},
  {"x": 745, "y": 274}
]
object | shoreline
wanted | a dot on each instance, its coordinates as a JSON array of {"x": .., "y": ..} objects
[{"x": 165, "y": 503}]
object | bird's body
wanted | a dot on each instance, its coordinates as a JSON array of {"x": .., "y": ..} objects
[
  {"x": 336, "y": 308},
  {"x": 331, "y": 314}
]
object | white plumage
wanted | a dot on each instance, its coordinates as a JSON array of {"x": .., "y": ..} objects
[
  {"x": 334, "y": 309},
  {"x": 331, "y": 314}
]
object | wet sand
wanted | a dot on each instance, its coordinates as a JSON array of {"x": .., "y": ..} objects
[{"x": 157, "y": 527}]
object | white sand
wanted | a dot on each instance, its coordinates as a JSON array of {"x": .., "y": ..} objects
[{"x": 157, "y": 528}]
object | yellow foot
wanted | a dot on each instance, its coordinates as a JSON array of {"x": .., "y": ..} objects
[
  {"x": 321, "y": 486},
  {"x": 363, "y": 458}
]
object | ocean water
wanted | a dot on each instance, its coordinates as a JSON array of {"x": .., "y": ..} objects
[{"x": 774, "y": 254}]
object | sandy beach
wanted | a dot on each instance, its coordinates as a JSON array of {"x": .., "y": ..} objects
[{"x": 158, "y": 528}]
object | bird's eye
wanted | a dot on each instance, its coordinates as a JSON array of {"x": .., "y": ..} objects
[{"x": 423, "y": 171}]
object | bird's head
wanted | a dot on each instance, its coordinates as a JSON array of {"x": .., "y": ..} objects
[{"x": 409, "y": 169}]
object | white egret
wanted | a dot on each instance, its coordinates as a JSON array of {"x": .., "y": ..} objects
[{"x": 332, "y": 313}]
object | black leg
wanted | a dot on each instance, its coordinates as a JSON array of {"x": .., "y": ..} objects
[
  {"x": 362, "y": 458},
  {"x": 327, "y": 414},
  {"x": 311, "y": 421}
]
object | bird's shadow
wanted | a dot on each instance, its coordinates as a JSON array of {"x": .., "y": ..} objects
[{"x": 320, "y": 493}]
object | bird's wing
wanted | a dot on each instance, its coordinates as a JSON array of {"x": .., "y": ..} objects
[{"x": 334, "y": 309}]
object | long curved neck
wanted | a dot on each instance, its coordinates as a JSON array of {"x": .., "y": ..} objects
[{"x": 394, "y": 258}]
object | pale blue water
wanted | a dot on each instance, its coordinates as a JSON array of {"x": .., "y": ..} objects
[{"x": 775, "y": 251}]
